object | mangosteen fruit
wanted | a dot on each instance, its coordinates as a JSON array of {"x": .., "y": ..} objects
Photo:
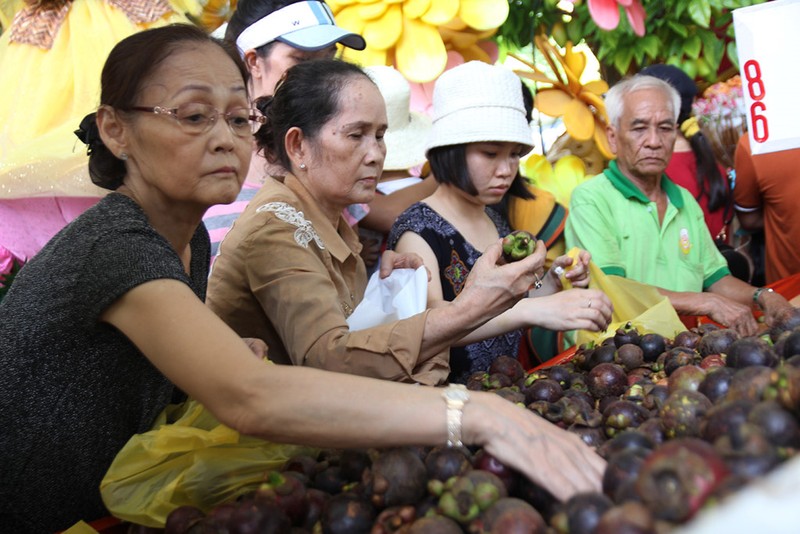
[
  {"x": 686, "y": 377},
  {"x": 518, "y": 245},
  {"x": 353, "y": 463},
  {"x": 678, "y": 357},
  {"x": 285, "y": 491},
  {"x": 790, "y": 344},
  {"x": 509, "y": 515},
  {"x": 677, "y": 477},
  {"x": 629, "y": 356},
  {"x": 623, "y": 467},
  {"x": 602, "y": 354},
  {"x": 653, "y": 430},
  {"x": 716, "y": 383},
  {"x": 397, "y": 476},
  {"x": 347, "y": 513},
  {"x": 626, "y": 440},
  {"x": 687, "y": 339},
  {"x": 465, "y": 497},
  {"x": 592, "y": 436},
  {"x": 788, "y": 320},
  {"x": 652, "y": 345},
  {"x": 723, "y": 417},
  {"x": 545, "y": 389},
  {"x": 778, "y": 424},
  {"x": 330, "y": 480},
  {"x": 560, "y": 374},
  {"x": 749, "y": 383},
  {"x": 443, "y": 463},
  {"x": 626, "y": 334},
  {"x": 683, "y": 412},
  {"x": 747, "y": 451},
  {"x": 717, "y": 341},
  {"x": 583, "y": 511},
  {"x": 713, "y": 361},
  {"x": 393, "y": 519},
  {"x": 751, "y": 350},
  {"x": 487, "y": 462},
  {"x": 538, "y": 497},
  {"x": 508, "y": 366},
  {"x": 607, "y": 380},
  {"x": 434, "y": 524},
  {"x": 181, "y": 518},
  {"x": 622, "y": 415},
  {"x": 496, "y": 381},
  {"x": 630, "y": 517}
]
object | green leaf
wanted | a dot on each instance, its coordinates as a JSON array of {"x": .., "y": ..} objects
[
  {"x": 651, "y": 45},
  {"x": 678, "y": 28},
  {"x": 622, "y": 60},
  {"x": 692, "y": 46},
  {"x": 700, "y": 12},
  {"x": 733, "y": 54}
]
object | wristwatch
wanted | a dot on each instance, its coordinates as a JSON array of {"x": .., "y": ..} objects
[
  {"x": 455, "y": 396},
  {"x": 757, "y": 294}
]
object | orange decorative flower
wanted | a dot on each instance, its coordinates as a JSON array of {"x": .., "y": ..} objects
[{"x": 580, "y": 105}]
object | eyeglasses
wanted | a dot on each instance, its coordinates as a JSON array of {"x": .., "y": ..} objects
[{"x": 196, "y": 119}]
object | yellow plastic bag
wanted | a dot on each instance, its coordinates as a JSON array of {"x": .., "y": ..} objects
[
  {"x": 641, "y": 304},
  {"x": 187, "y": 458}
]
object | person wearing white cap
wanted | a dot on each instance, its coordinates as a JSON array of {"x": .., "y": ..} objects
[
  {"x": 272, "y": 36},
  {"x": 400, "y": 185},
  {"x": 479, "y": 134}
]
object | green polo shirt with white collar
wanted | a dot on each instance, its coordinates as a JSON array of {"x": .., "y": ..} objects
[{"x": 612, "y": 219}]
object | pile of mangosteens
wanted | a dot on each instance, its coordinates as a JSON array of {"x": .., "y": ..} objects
[{"x": 682, "y": 422}]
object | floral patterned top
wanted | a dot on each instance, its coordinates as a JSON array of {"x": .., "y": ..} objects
[{"x": 456, "y": 257}]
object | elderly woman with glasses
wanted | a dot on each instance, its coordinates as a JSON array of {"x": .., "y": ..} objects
[{"x": 106, "y": 325}]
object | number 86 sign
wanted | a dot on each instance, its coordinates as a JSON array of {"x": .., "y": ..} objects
[{"x": 767, "y": 41}]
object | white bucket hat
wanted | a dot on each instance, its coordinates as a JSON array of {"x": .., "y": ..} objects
[
  {"x": 305, "y": 25},
  {"x": 477, "y": 102},
  {"x": 408, "y": 130}
]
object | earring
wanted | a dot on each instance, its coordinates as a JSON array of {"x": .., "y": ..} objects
[
  {"x": 123, "y": 156},
  {"x": 303, "y": 166}
]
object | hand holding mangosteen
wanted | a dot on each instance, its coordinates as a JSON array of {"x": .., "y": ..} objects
[{"x": 517, "y": 245}]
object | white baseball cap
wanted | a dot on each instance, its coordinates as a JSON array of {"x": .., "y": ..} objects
[{"x": 305, "y": 25}]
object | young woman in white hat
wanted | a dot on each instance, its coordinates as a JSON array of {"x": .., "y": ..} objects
[{"x": 479, "y": 134}]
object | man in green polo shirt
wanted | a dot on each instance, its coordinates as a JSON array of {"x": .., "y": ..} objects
[{"x": 640, "y": 225}]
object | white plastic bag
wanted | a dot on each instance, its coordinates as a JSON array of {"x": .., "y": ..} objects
[{"x": 400, "y": 295}]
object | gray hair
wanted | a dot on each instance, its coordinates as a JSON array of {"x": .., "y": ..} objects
[{"x": 615, "y": 98}]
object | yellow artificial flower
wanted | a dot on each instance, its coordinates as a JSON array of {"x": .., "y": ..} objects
[
  {"x": 415, "y": 35},
  {"x": 559, "y": 179},
  {"x": 580, "y": 105}
]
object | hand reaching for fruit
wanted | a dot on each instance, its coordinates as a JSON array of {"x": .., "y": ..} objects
[
  {"x": 572, "y": 309},
  {"x": 572, "y": 269}
]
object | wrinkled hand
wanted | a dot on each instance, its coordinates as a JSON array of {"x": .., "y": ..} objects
[
  {"x": 577, "y": 271},
  {"x": 775, "y": 306},
  {"x": 495, "y": 285},
  {"x": 572, "y": 309},
  {"x": 256, "y": 345},
  {"x": 731, "y": 314},
  {"x": 392, "y": 260},
  {"x": 556, "y": 459}
]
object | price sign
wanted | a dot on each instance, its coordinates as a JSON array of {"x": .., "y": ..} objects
[{"x": 767, "y": 40}]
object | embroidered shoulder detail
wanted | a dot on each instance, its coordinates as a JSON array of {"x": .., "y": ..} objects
[
  {"x": 305, "y": 230},
  {"x": 38, "y": 26},
  {"x": 142, "y": 11}
]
